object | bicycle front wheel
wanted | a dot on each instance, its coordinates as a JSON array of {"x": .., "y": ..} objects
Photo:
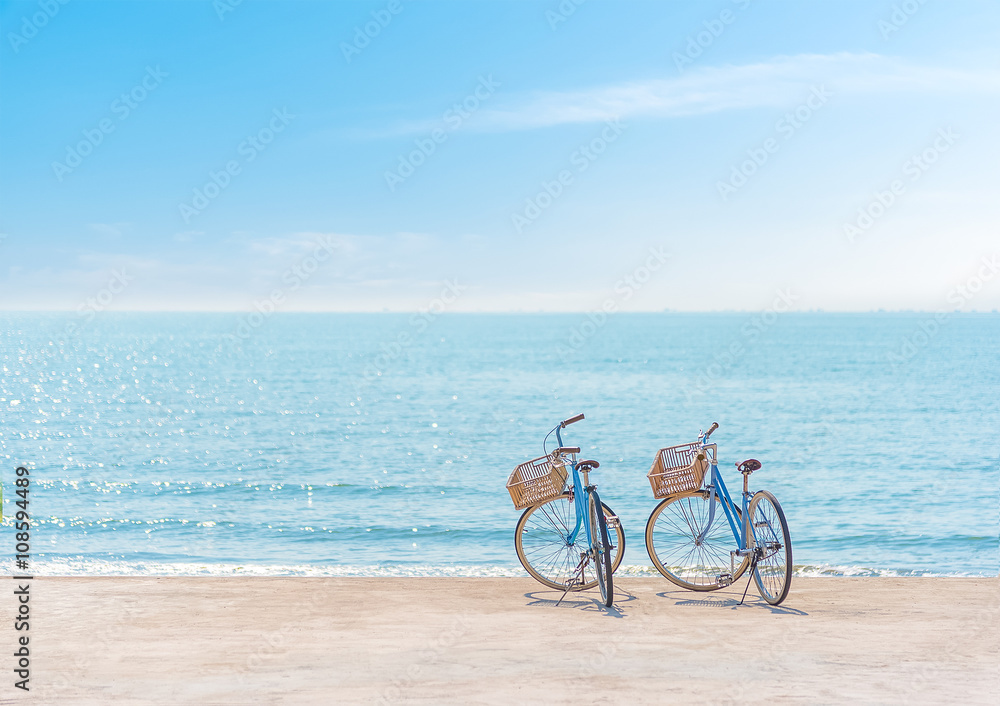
[
  {"x": 680, "y": 554},
  {"x": 544, "y": 551},
  {"x": 600, "y": 546},
  {"x": 773, "y": 574}
]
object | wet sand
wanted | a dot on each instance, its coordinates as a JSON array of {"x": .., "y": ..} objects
[{"x": 504, "y": 641}]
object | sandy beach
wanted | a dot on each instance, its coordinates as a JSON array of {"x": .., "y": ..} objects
[{"x": 504, "y": 640}]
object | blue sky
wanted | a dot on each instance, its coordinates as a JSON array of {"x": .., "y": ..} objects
[{"x": 113, "y": 114}]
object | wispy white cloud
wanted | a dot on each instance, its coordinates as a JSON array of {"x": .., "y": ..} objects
[
  {"x": 775, "y": 82},
  {"x": 112, "y": 230}
]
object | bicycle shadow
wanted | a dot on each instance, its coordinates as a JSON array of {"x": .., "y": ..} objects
[
  {"x": 579, "y": 601},
  {"x": 684, "y": 599}
]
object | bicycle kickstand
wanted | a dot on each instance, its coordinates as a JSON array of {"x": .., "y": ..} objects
[
  {"x": 575, "y": 579},
  {"x": 753, "y": 567}
]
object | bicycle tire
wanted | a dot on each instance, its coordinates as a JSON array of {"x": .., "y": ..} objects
[
  {"x": 772, "y": 574},
  {"x": 600, "y": 544},
  {"x": 675, "y": 534}
]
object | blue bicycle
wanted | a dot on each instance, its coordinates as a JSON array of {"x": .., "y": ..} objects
[
  {"x": 690, "y": 544},
  {"x": 567, "y": 538}
]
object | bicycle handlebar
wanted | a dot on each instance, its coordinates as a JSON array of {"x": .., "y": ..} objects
[
  {"x": 567, "y": 450},
  {"x": 558, "y": 430},
  {"x": 715, "y": 425}
]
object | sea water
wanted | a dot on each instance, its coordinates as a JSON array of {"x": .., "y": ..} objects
[{"x": 380, "y": 444}]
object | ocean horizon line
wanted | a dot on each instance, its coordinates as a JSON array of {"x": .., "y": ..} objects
[{"x": 541, "y": 312}]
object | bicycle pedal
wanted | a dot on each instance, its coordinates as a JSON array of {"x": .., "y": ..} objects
[
  {"x": 725, "y": 580},
  {"x": 613, "y": 521}
]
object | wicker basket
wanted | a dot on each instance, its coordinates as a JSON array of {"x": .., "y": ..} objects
[
  {"x": 679, "y": 469},
  {"x": 536, "y": 481}
]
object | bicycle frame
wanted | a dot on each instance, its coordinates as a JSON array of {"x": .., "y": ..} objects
[
  {"x": 580, "y": 493},
  {"x": 717, "y": 487}
]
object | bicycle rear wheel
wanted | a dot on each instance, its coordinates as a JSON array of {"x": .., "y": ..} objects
[
  {"x": 773, "y": 574},
  {"x": 545, "y": 553},
  {"x": 600, "y": 545},
  {"x": 675, "y": 550}
]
